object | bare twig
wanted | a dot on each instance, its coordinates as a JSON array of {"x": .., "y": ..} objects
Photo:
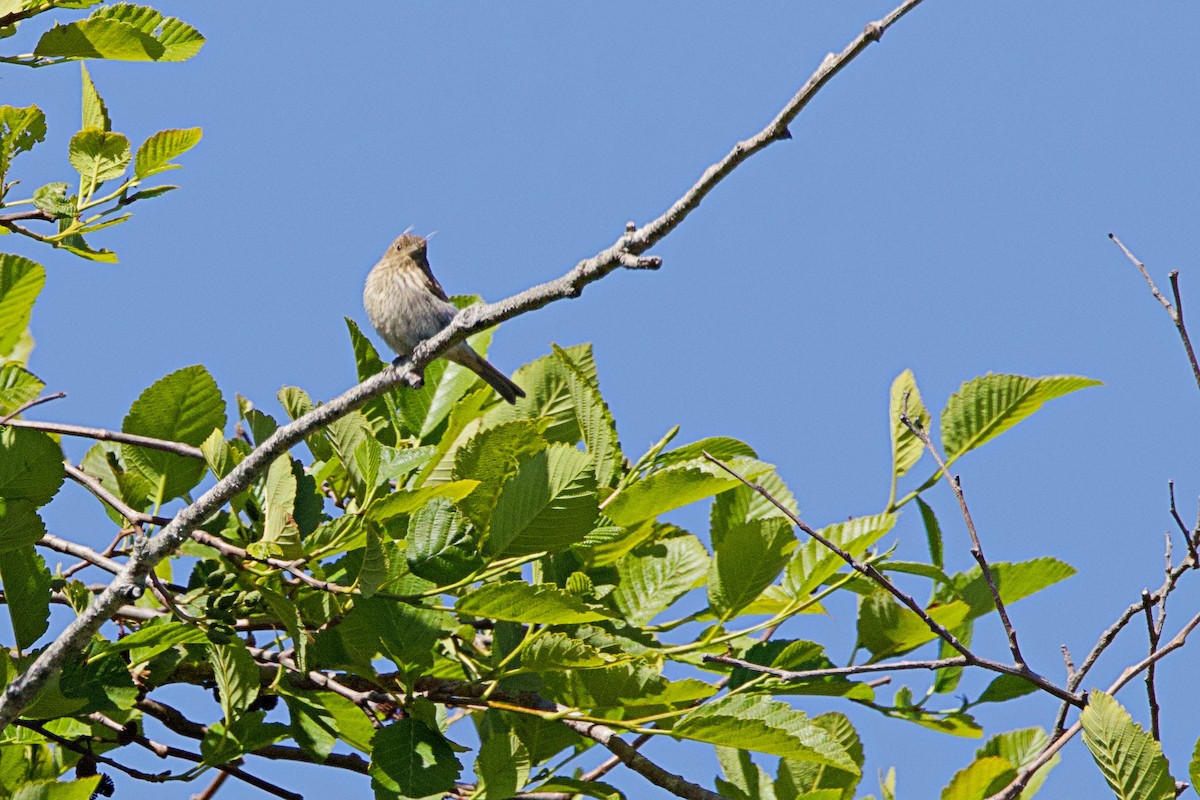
[
  {"x": 1175, "y": 312},
  {"x": 1018, "y": 784},
  {"x": 800, "y": 675},
  {"x": 80, "y": 551},
  {"x": 213, "y": 787},
  {"x": 103, "y": 435},
  {"x": 25, "y": 686},
  {"x": 37, "y": 401},
  {"x": 1188, "y": 535},
  {"x": 1154, "y": 634},
  {"x": 93, "y": 485},
  {"x": 976, "y": 546}
]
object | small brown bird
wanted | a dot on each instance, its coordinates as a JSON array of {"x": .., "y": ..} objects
[{"x": 407, "y": 305}]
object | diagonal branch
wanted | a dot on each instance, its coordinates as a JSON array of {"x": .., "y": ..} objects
[
  {"x": 1175, "y": 312},
  {"x": 105, "y": 435},
  {"x": 146, "y": 554}
]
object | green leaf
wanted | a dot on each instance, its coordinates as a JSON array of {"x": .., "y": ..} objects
[
  {"x": 54, "y": 200},
  {"x": 933, "y": 534},
  {"x": 374, "y": 565},
  {"x": 20, "y": 130},
  {"x": 1194, "y": 768},
  {"x": 554, "y": 651},
  {"x": 1006, "y": 687},
  {"x": 31, "y": 466},
  {"x": 492, "y": 457},
  {"x": 548, "y": 394},
  {"x": 405, "y": 502},
  {"x": 154, "y": 638},
  {"x": 75, "y": 244},
  {"x": 743, "y": 504},
  {"x": 184, "y": 406},
  {"x": 982, "y": 778},
  {"x": 502, "y": 767},
  {"x": 805, "y": 779},
  {"x": 26, "y": 583},
  {"x": 21, "y": 281},
  {"x": 99, "y": 155},
  {"x": 279, "y": 501},
  {"x": 122, "y": 32},
  {"x": 1013, "y": 581},
  {"x": 17, "y": 387},
  {"x": 548, "y": 505},
  {"x": 237, "y": 678},
  {"x": 906, "y": 448},
  {"x": 441, "y": 544},
  {"x": 986, "y": 407},
  {"x": 95, "y": 114},
  {"x": 20, "y": 525},
  {"x": 594, "y": 419},
  {"x": 570, "y": 786},
  {"x": 764, "y": 726},
  {"x": 312, "y": 726},
  {"x": 411, "y": 760},
  {"x": 82, "y": 789},
  {"x": 676, "y": 486},
  {"x": 748, "y": 559},
  {"x": 517, "y": 601},
  {"x": 720, "y": 447},
  {"x": 1129, "y": 758},
  {"x": 656, "y": 573},
  {"x": 887, "y": 628},
  {"x": 814, "y": 563},
  {"x": 155, "y": 154},
  {"x": 1021, "y": 748}
]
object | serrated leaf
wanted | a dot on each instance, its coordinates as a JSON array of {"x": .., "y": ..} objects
[
  {"x": 548, "y": 505},
  {"x": 155, "y": 154},
  {"x": 656, "y": 573},
  {"x": 31, "y": 466},
  {"x": 813, "y": 563},
  {"x": 20, "y": 526},
  {"x": 374, "y": 566},
  {"x": 502, "y": 767},
  {"x": 517, "y": 601},
  {"x": 985, "y": 407},
  {"x": 17, "y": 387},
  {"x": 184, "y": 406},
  {"x": 748, "y": 559},
  {"x": 724, "y": 448},
  {"x": 676, "y": 486},
  {"x": 21, "y": 280},
  {"x": 1130, "y": 759},
  {"x": 905, "y": 399},
  {"x": 980, "y": 779},
  {"x": 802, "y": 779},
  {"x": 54, "y": 200},
  {"x": 887, "y": 628},
  {"x": 409, "y": 759},
  {"x": 795, "y": 656},
  {"x": 1006, "y": 687},
  {"x": 595, "y": 421},
  {"x": 1013, "y": 581},
  {"x": 570, "y": 786},
  {"x": 555, "y": 650},
  {"x": 122, "y": 32},
  {"x": 26, "y": 583},
  {"x": 548, "y": 394},
  {"x": 236, "y": 675},
  {"x": 441, "y": 544},
  {"x": 764, "y": 726},
  {"x": 20, "y": 130},
  {"x": 1021, "y": 748},
  {"x": 492, "y": 457},
  {"x": 99, "y": 155},
  {"x": 82, "y": 789},
  {"x": 95, "y": 114},
  {"x": 405, "y": 502}
]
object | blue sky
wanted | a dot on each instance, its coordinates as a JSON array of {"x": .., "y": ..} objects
[{"x": 943, "y": 206}]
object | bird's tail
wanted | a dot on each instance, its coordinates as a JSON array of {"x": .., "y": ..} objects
[{"x": 503, "y": 385}]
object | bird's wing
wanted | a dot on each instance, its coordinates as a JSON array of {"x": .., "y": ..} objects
[{"x": 431, "y": 283}]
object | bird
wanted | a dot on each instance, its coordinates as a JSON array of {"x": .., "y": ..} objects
[{"x": 407, "y": 305}]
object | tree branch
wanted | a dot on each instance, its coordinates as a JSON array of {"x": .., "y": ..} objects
[
  {"x": 146, "y": 554},
  {"x": 104, "y": 435}
]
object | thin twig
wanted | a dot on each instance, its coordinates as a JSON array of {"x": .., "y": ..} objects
[
  {"x": 1188, "y": 536},
  {"x": 93, "y": 485},
  {"x": 37, "y": 401},
  {"x": 24, "y": 687},
  {"x": 103, "y": 435},
  {"x": 80, "y": 551},
  {"x": 1018, "y": 784},
  {"x": 76, "y": 747},
  {"x": 213, "y": 787},
  {"x": 808, "y": 674},
  {"x": 1175, "y": 312},
  {"x": 976, "y": 546},
  {"x": 1151, "y": 697}
]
